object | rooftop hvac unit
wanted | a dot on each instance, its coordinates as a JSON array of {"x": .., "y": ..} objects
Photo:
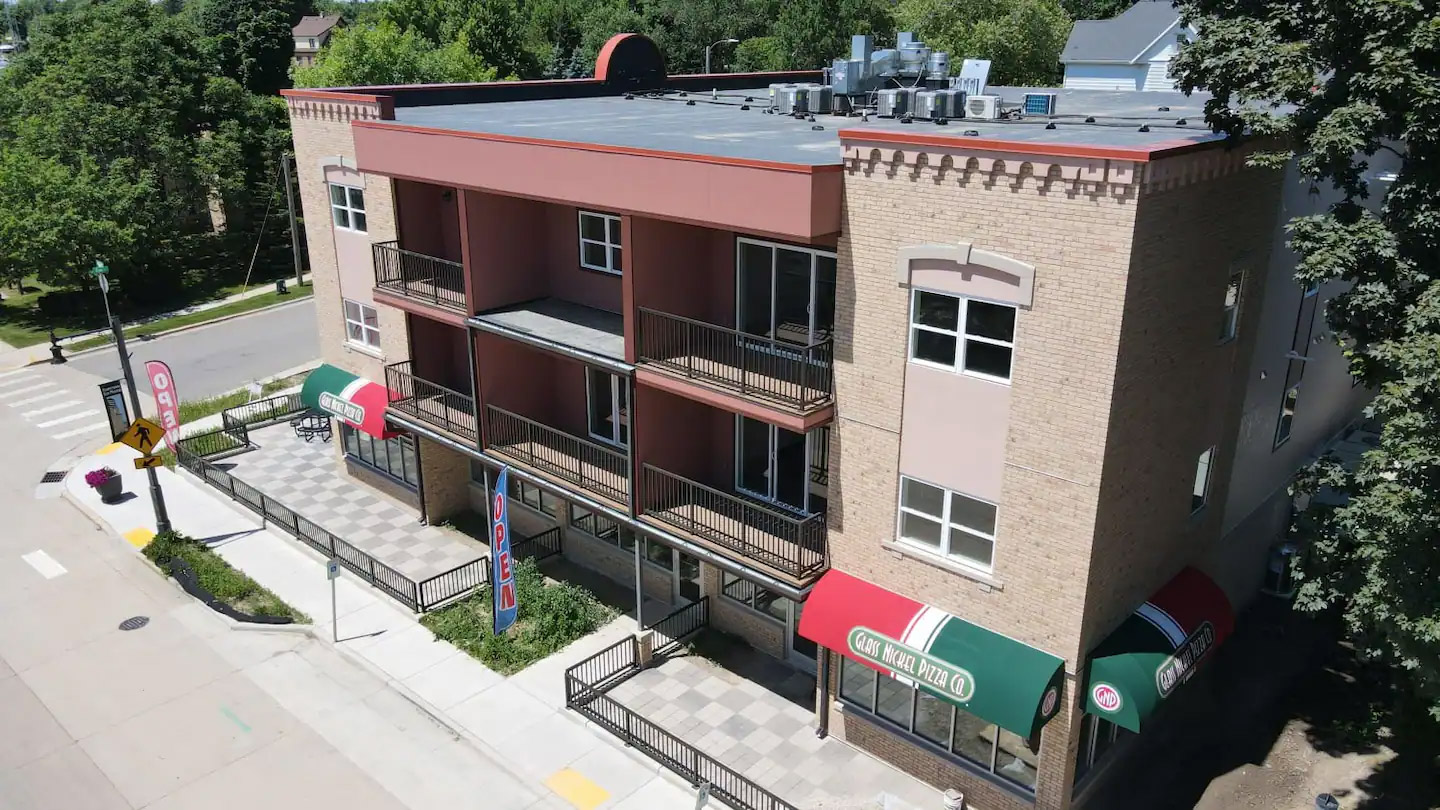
[
  {"x": 933, "y": 104},
  {"x": 775, "y": 91},
  {"x": 986, "y": 108},
  {"x": 895, "y": 102},
  {"x": 819, "y": 98},
  {"x": 788, "y": 100},
  {"x": 1039, "y": 103}
]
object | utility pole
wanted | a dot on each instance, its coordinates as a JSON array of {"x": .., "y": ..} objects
[{"x": 294, "y": 231}]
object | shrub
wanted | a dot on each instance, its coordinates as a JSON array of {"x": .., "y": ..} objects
[{"x": 215, "y": 575}]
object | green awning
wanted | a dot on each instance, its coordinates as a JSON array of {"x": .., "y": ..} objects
[
  {"x": 350, "y": 398},
  {"x": 992, "y": 676},
  {"x": 1157, "y": 649}
]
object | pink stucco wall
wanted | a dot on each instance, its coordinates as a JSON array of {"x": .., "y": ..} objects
[
  {"x": 685, "y": 437},
  {"x": 787, "y": 201},
  {"x": 427, "y": 221},
  {"x": 438, "y": 352},
  {"x": 352, "y": 249},
  {"x": 953, "y": 430},
  {"x": 538, "y": 385},
  {"x": 684, "y": 269}
]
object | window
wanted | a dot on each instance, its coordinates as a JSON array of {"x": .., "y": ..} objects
[
  {"x": 523, "y": 491},
  {"x": 362, "y": 326},
  {"x": 784, "y": 293},
  {"x": 311, "y": 43},
  {"x": 1287, "y": 416},
  {"x": 962, "y": 334},
  {"x": 947, "y": 523},
  {"x": 1097, "y": 737},
  {"x": 941, "y": 724},
  {"x": 347, "y": 205},
  {"x": 393, "y": 457},
  {"x": 602, "y": 529},
  {"x": 1230, "y": 313},
  {"x": 600, "y": 243},
  {"x": 608, "y": 407},
  {"x": 753, "y": 596},
  {"x": 1202, "y": 481}
]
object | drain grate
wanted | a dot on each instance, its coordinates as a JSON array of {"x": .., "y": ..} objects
[
  {"x": 52, "y": 477},
  {"x": 134, "y": 622}
]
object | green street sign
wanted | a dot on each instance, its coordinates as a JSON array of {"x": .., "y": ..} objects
[{"x": 99, "y": 269}]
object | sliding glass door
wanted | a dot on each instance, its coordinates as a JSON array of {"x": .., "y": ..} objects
[
  {"x": 784, "y": 293},
  {"x": 774, "y": 464}
]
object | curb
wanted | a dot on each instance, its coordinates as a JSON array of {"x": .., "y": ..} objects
[{"x": 175, "y": 331}]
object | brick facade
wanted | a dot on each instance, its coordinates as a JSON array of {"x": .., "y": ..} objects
[{"x": 445, "y": 480}]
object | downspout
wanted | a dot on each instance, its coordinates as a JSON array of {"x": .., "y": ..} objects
[{"x": 822, "y": 709}]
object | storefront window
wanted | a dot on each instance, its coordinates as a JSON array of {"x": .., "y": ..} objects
[
  {"x": 659, "y": 554},
  {"x": 602, "y": 529},
  {"x": 1097, "y": 737},
  {"x": 940, "y": 723},
  {"x": 753, "y": 596},
  {"x": 393, "y": 457}
]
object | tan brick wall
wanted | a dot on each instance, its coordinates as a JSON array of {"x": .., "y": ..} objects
[
  {"x": 321, "y": 130},
  {"x": 444, "y": 479},
  {"x": 761, "y": 632}
]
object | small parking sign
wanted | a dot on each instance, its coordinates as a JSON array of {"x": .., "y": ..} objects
[{"x": 332, "y": 569}]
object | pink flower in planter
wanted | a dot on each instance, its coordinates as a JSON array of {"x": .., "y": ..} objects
[{"x": 97, "y": 477}]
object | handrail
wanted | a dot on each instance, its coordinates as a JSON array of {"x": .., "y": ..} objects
[
  {"x": 415, "y": 275},
  {"x": 569, "y": 461},
  {"x": 796, "y": 376},
  {"x": 450, "y": 410}
]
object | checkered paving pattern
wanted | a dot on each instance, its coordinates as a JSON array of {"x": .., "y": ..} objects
[
  {"x": 754, "y": 714},
  {"x": 305, "y": 478}
]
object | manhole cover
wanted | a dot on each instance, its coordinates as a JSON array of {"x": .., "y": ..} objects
[
  {"x": 134, "y": 622},
  {"x": 52, "y": 478}
]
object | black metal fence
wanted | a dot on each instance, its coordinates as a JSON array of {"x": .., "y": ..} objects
[
  {"x": 796, "y": 375},
  {"x": 795, "y": 544},
  {"x": 417, "y": 596},
  {"x": 585, "y": 464},
  {"x": 449, "y": 410},
  {"x": 671, "y": 631},
  {"x": 423, "y": 278},
  {"x": 585, "y": 686},
  {"x": 542, "y": 546},
  {"x": 263, "y": 412}
]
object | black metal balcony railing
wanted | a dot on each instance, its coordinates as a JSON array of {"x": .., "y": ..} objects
[
  {"x": 585, "y": 464},
  {"x": 794, "y": 544},
  {"x": 451, "y": 411},
  {"x": 423, "y": 278},
  {"x": 789, "y": 374}
]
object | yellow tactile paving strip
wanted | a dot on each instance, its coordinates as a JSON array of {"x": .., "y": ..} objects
[
  {"x": 140, "y": 537},
  {"x": 573, "y": 787}
]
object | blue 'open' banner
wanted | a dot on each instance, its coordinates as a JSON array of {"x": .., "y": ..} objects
[{"x": 502, "y": 574}]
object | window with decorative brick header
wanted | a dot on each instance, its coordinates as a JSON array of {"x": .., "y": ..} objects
[
  {"x": 1201, "y": 493},
  {"x": 362, "y": 325},
  {"x": 1230, "y": 312},
  {"x": 347, "y": 205},
  {"x": 1287, "y": 415},
  {"x": 947, "y": 523},
  {"x": 940, "y": 725},
  {"x": 964, "y": 335},
  {"x": 600, "y": 243}
]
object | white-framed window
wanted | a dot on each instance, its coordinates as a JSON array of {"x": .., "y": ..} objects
[
  {"x": 964, "y": 335},
  {"x": 607, "y": 407},
  {"x": 600, "y": 243},
  {"x": 1230, "y": 312},
  {"x": 362, "y": 326},
  {"x": 347, "y": 206},
  {"x": 947, "y": 523},
  {"x": 1286, "y": 421},
  {"x": 312, "y": 43},
  {"x": 1201, "y": 492}
]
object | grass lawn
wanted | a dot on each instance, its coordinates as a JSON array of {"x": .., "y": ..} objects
[
  {"x": 552, "y": 615},
  {"x": 193, "y": 409},
  {"x": 228, "y": 585},
  {"x": 165, "y": 324}
]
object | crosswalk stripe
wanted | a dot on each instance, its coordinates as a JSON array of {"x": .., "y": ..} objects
[
  {"x": 16, "y": 373},
  {"x": 47, "y": 395},
  {"x": 87, "y": 429},
  {"x": 71, "y": 418},
  {"x": 17, "y": 381},
  {"x": 27, "y": 389},
  {"x": 62, "y": 406}
]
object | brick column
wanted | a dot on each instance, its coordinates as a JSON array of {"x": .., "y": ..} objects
[{"x": 446, "y": 476}]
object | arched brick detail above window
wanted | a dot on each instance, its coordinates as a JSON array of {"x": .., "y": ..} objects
[{"x": 965, "y": 270}]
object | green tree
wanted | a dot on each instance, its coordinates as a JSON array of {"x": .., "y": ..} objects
[
  {"x": 383, "y": 55},
  {"x": 759, "y": 54},
  {"x": 1022, "y": 38},
  {"x": 490, "y": 29},
  {"x": 1357, "y": 79},
  {"x": 1095, "y": 9},
  {"x": 682, "y": 28},
  {"x": 811, "y": 33},
  {"x": 599, "y": 25},
  {"x": 250, "y": 40}
]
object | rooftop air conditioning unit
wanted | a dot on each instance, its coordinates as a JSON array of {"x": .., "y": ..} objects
[
  {"x": 895, "y": 102},
  {"x": 939, "y": 104},
  {"x": 986, "y": 108}
]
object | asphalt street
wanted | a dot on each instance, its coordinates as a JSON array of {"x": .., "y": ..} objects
[{"x": 214, "y": 359}]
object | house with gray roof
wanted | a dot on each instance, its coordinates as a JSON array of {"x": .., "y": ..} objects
[
  {"x": 1129, "y": 52},
  {"x": 311, "y": 34}
]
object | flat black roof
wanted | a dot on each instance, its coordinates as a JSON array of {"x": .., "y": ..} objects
[{"x": 716, "y": 125}]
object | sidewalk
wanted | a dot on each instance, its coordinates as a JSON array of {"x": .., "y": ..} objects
[
  {"x": 11, "y": 357},
  {"x": 520, "y": 721}
]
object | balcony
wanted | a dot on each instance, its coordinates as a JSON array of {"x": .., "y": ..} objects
[
  {"x": 593, "y": 467},
  {"x": 418, "y": 277},
  {"x": 791, "y": 544},
  {"x": 790, "y": 376},
  {"x": 433, "y": 404}
]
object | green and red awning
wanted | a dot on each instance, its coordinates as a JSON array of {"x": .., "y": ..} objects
[
  {"x": 995, "y": 677},
  {"x": 352, "y": 399},
  {"x": 1157, "y": 649}
]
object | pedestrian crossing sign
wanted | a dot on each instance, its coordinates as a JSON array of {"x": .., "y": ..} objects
[
  {"x": 149, "y": 461},
  {"x": 143, "y": 435}
]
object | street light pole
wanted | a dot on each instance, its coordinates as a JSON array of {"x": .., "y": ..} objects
[
  {"x": 712, "y": 45},
  {"x": 294, "y": 232}
]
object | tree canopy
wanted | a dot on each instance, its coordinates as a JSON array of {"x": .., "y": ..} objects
[
  {"x": 1022, "y": 38},
  {"x": 1357, "y": 80},
  {"x": 381, "y": 54}
]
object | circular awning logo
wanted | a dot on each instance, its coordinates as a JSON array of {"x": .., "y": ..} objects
[
  {"x": 1050, "y": 702},
  {"x": 1106, "y": 697}
]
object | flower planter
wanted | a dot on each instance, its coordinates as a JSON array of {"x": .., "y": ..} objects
[{"x": 110, "y": 490}]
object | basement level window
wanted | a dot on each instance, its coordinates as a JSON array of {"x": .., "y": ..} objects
[{"x": 600, "y": 243}]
